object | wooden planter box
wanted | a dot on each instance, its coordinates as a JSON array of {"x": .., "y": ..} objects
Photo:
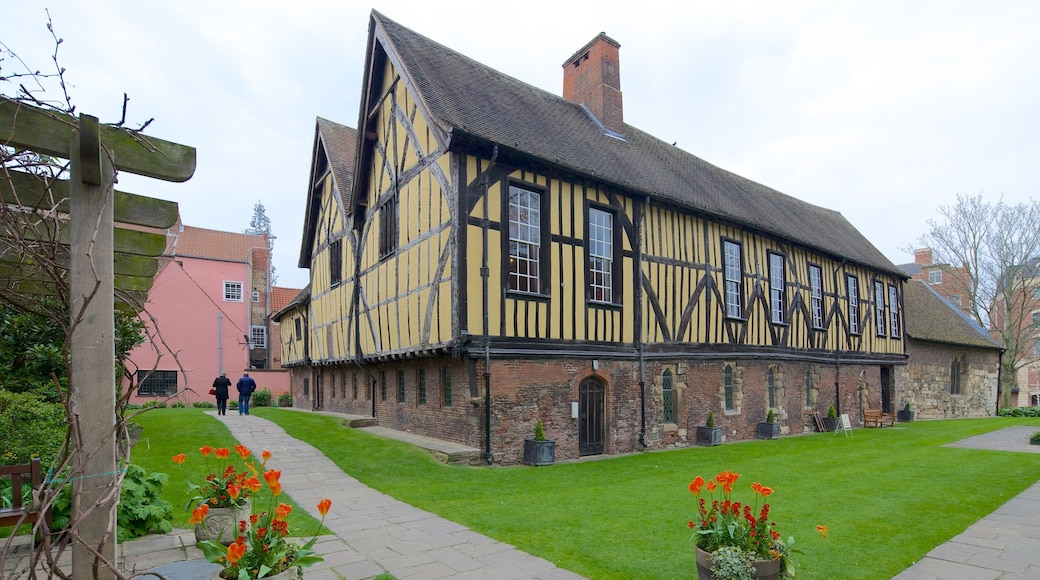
[
  {"x": 709, "y": 435},
  {"x": 539, "y": 452},
  {"x": 768, "y": 430}
]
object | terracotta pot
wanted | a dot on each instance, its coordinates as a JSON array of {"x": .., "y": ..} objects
[
  {"x": 294, "y": 573},
  {"x": 221, "y": 524},
  {"x": 764, "y": 569}
]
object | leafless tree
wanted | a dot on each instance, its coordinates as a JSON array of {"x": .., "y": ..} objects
[{"x": 993, "y": 250}]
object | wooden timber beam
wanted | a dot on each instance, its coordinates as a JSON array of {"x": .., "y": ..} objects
[
  {"x": 53, "y": 133},
  {"x": 31, "y": 191}
]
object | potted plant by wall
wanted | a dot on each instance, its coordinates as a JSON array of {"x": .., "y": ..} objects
[
  {"x": 906, "y": 414},
  {"x": 830, "y": 422},
  {"x": 539, "y": 451},
  {"x": 709, "y": 434},
  {"x": 1034, "y": 439},
  {"x": 769, "y": 429}
]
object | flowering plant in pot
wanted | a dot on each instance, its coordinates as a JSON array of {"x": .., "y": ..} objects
[
  {"x": 225, "y": 493},
  {"x": 737, "y": 540},
  {"x": 261, "y": 548}
]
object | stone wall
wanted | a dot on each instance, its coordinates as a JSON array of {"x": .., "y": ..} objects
[{"x": 929, "y": 381}]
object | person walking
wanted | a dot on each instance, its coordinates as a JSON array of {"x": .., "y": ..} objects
[
  {"x": 246, "y": 385},
  {"x": 220, "y": 388}
]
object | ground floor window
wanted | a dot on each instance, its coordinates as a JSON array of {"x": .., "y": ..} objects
[
  {"x": 156, "y": 383},
  {"x": 668, "y": 398}
]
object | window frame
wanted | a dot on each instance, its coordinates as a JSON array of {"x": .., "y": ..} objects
[
  {"x": 852, "y": 297},
  {"x": 534, "y": 276},
  {"x": 935, "y": 276},
  {"x": 336, "y": 263},
  {"x": 733, "y": 279},
  {"x": 777, "y": 286},
  {"x": 879, "y": 307},
  {"x": 299, "y": 327},
  {"x": 669, "y": 412},
  {"x": 257, "y": 336},
  {"x": 389, "y": 226},
  {"x": 894, "y": 328},
  {"x": 771, "y": 388},
  {"x": 230, "y": 292},
  {"x": 602, "y": 281},
  {"x": 446, "y": 394},
  {"x": 401, "y": 393},
  {"x": 816, "y": 295},
  {"x": 729, "y": 400},
  {"x": 420, "y": 386},
  {"x": 157, "y": 383}
]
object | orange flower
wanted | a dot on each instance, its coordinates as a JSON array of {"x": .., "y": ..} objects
[
  {"x": 272, "y": 481},
  {"x": 756, "y": 487},
  {"x": 766, "y": 491},
  {"x": 265, "y": 455},
  {"x": 281, "y": 512},
  {"x": 235, "y": 552},
  {"x": 695, "y": 485},
  {"x": 222, "y": 453},
  {"x": 252, "y": 484},
  {"x": 205, "y": 450},
  {"x": 711, "y": 485},
  {"x": 199, "y": 514},
  {"x": 822, "y": 530},
  {"x": 179, "y": 458},
  {"x": 233, "y": 490},
  {"x": 242, "y": 450},
  {"x": 323, "y": 506}
]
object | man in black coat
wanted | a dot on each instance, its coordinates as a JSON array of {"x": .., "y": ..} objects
[{"x": 221, "y": 385}]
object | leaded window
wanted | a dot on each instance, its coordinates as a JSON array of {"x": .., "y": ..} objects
[
  {"x": 667, "y": 398},
  {"x": 879, "y": 307},
  {"x": 335, "y": 262},
  {"x": 156, "y": 383},
  {"x": 446, "y": 387},
  {"x": 808, "y": 387},
  {"x": 893, "y": 310},
  {"x": 388, "y": 231},
  {"x": 421, "y": 386},
  {"x": 771, "y": 388},
  {"x": 733, "y": 275},
  {"x": 400, "y": 386},
  {"x": 727, "y": 387},
  {"x": 525, "y": 240},
  {"x": 816, "y": 295}
]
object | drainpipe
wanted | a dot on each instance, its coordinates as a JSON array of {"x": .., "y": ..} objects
[
  {"x": 485, "y": 274},
  {"x": 639, "y": 324},
  {"x": 1000, "y": 379},
  {"x": 220, "y": 341},
  {"x": 837, "y": 351}
]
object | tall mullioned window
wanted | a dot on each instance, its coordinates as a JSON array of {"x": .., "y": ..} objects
[
  {"x": 771, "y": 388},
  {"x": 525, "y": 240},
  {"x": 335, "y": 262},
  {"x": 667, "y": 397},
  {"x": 879, "y": 307},
  {"x": 853, "y": 289},
  {"x": 777, "y": 286},
  {"x": 727, "y": 387},
  {"x": 893, "y": 310},
  {"x": 400, "y": 386},
  {"x": 601, "y": 255},
  {"x": 421, "y": 386},
  {"x": 733, "y": 274},
  {"x": 388, "y": 227},
  {"x": 816, "y": 295},
  {"x": 446, "y": 387}
]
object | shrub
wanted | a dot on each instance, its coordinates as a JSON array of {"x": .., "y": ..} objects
[
  {"x": 203, "y": 405},
  {"x": 154, "y": 404},
  {"x": 285, "y": 400},
  {"x": 539, "y": 431},
  {"x": 1019, "y": 412},
  {"x": 1035, "y": 437},
  {"x": 178, "y": 405},
  {"x": 142, "y": 509},
  {"x": 262, "y": 398},
  {"x": 710, "y": 423},
  {"x": 30, "y": 427},
  {"x": 770, "y": 417},
  {"x": 232, "y": 404},
  {"x": 832, "y": 413}
]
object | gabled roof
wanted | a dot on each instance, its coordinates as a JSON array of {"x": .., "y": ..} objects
[
  {"x": 467, "y": 102},
  {"x": 282, "y": 297},
  {"x": 192, "y": 242},
  {"x": 932, "y": 318},
  {"x": 302, "y": 298},
  {"x": 335, "y": 146}
]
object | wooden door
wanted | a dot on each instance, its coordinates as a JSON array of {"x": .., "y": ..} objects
[{"x": 591, "y": 417}]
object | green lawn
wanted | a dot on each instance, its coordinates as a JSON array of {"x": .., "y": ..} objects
[
  {"x": 887, "y": 495},
  {"x": 167, "y": 432}
]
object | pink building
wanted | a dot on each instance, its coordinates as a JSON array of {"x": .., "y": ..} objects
[{"x": 208, "y": 312}]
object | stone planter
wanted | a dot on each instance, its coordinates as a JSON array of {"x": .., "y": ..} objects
[
  {"x": 767, "y": 430},
  {"x": 221, "y": 524},
  {"x": 709, "y": 435},
  {"x": 539, "y": 452},
  {"x": 294, "y": 573},
  {"x": 764, "y": 569},
  {"x": 904, "y": 416}
]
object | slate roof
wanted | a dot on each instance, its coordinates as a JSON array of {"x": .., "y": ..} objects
[
  {"x": 340, "y": 146},
  {"x": 931, "y": 317},
  {"x": 471, "y": 101}
]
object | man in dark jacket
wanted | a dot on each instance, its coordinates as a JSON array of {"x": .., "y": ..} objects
[
  {"x": 221, "y": 385},
  {"x": 246, "y": 385}
]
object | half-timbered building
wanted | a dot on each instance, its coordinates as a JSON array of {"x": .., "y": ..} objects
[{"x": 485, "y": 254}]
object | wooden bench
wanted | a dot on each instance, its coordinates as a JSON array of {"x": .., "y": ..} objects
[
  {"x": 876, "y": 418},
  {"x": 19, "y": 513}
]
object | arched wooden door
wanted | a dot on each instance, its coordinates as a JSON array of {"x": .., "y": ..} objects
[{"x": 591, "y": 417}]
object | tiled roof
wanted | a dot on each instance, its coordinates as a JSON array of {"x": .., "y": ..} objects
[
  {"x": 472, "y": 102},
  {"x": 195, "y": 242},
  {"x": 302, "y": 297},
  {"x": 930, "y": 317},
  {"x": 282, "y": 297},
  {"x": 340, "y": 146}
]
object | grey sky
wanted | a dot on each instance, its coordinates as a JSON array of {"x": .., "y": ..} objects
[{"x": 880, "y": 110}]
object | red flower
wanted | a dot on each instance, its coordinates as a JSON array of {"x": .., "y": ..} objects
[
  {"x": 179, "y": 458},
  {"x": 222, "y": 453},
  {"x": 323, "y": 506},
  {"x": 205, "y": 450},
  {"x": 242, "y": 451}
]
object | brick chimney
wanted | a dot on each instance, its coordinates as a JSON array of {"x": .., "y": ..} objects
[
  {"x": 923, "y": 256},
  {"x": 592, "y": 76}
]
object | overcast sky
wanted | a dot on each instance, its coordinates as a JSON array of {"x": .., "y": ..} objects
[{"x": 882, "y": 110}]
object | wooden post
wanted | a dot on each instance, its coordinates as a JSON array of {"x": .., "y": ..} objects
[{"x": 92, "y": 356}]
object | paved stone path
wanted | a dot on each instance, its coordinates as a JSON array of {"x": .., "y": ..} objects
[{"x": 376, "y": 533}]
